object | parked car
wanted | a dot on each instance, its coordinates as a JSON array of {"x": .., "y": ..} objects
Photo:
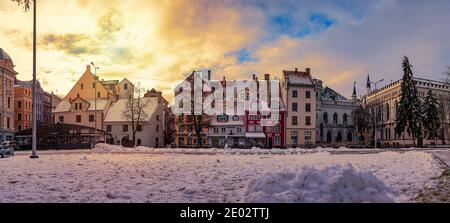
[{"x": 7, "y": 149}]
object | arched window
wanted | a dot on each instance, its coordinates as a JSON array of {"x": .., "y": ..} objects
[
  {"x": 325, "y": 118},
  {"x": 329, "y": 137},
  {"x": 345, "y": 119},
  {"x": 388, "y": 115},
  {"x": 339, "y": 137},
  {"x": 396, "y": 108},
  {"x": 335, "y": 118},
  {"x": 349, "y": 137}
]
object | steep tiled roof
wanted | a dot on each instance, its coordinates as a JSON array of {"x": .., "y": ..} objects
[{"x": 329, "y": 94}]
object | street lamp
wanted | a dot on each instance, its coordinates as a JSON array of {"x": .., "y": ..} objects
[
  {"x": 33, "y": 136},
  {"x": 95, "y": 102},
  {"x": 376, "y": 111}
]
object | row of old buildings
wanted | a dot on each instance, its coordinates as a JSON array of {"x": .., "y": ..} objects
[
  {"x": 102, "y": 105},
  {"x": 310, "y": 114},
  {"x": 16, "y": 101}
]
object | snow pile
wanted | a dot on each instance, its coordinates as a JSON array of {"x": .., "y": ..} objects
[{"x": 332, "y": 184}]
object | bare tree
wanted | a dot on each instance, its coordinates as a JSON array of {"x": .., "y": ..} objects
[
  {"x": 363, "y": 120},
  {"x": 135, "y": 112}
]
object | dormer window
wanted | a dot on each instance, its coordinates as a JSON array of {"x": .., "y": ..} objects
[
  {"x": 125, "y": 86},
  {"x": 98, "y": 94},
  {"x": 82, "y": 86}
]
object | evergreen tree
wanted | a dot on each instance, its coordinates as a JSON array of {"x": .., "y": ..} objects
[
  {"x": 409, "y": 114},
  {"x": 431, "y": 121}
]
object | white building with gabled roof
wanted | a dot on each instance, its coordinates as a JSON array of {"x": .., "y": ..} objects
[{"x": 150, "y": 133}]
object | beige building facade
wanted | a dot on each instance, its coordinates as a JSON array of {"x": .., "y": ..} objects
[
  {"x": 386, "y": 99},
  {"x": 7, "y": 114},
  {"x": 299, "y": 95},
  {"x": 89, "y": 100}
]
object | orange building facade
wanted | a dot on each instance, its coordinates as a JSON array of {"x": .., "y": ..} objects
[{"x": 23, "y": 107}]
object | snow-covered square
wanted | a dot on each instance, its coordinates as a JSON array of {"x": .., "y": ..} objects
[{"x": 115, "y": 174}]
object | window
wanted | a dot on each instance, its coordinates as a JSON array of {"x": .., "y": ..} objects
[
  {"x": 125, "y": 128},
  {"x": 19, "y": 116},
  {"x": 277, "y": 140},
  {"x": 345, "y": 119},
  {"x": 82, "y": 86},
  {"x": 91, "y": 118},
  {"x": 294, "y": 107},
  {"x": 125, "y": 86},
  {"x": 294, "y": 137},
  {"x": 216, "y": 130},
  {"x": 7, "y": 122},
  {"x": 335, "y": 118},
  {"x": 78, "y": 95},
  {"x": 157, "y": 117},
  {"x": 308, "y": 94},
  {"x": 61, "y": 118},
  {"x": 307, "y": 120},
  {"x": 78, "y": 118},
  {"x": 294, "y": 93},
  {"x": 239, "y": 130},
  {"x": 308, "y": 107},
  {"x": 294, "y": 120},
  {"x": 224, "y": 130},
  {"x": 307, "y": 137},
  {"x": 139, "y": 128},
  {"x": 98, "y": 94},
  {"x": 80, "y": 106},
  {"x": 19, "y": 104},
  {"x": 325, "y": 118},
  {"x": 76, "y": 106},
  {"x": 93, "y": 85},
  {"x": 277, "y": 129},
  {"x": 157, "y": 128},
  {"x": 19, "y": 127},
  {"x": 9, "y": 102}
]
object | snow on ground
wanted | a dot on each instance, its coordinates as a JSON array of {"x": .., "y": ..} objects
[
  {"x": 185, "y": 175},
  {"x": 334, "y": 184}
]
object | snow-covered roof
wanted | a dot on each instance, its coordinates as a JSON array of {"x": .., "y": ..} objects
[
  {"x": 116, "y": 111},
  {"x": 255, "y": 135},
  {"x": 101, "y": 104},
  {"x": 64, "y": 106},
  {"x": 298, "y": 77}
]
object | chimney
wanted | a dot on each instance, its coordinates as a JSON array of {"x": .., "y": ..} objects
[
  {"x": 266, "y": 77},
  {"x": 308, "y": 71},
  {"x": 209, "y": 75},
  {"x": 296, "y": 69},
  {"x": 88, "y": 68},
  {"x": 254, "y": 76}
]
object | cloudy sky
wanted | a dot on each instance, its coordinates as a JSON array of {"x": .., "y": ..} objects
[{"x": 157, "y": 42}]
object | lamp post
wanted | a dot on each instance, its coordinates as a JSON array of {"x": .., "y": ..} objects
[
  {"x": 376, "y": 112},
  {"x": 95, "y": 102},
  {"x": 33, "y": 140}
]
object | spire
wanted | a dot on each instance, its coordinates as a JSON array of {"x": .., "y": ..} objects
[
  {"x": 354, "y": 89},
  {"x": 368, "y": 87}
]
